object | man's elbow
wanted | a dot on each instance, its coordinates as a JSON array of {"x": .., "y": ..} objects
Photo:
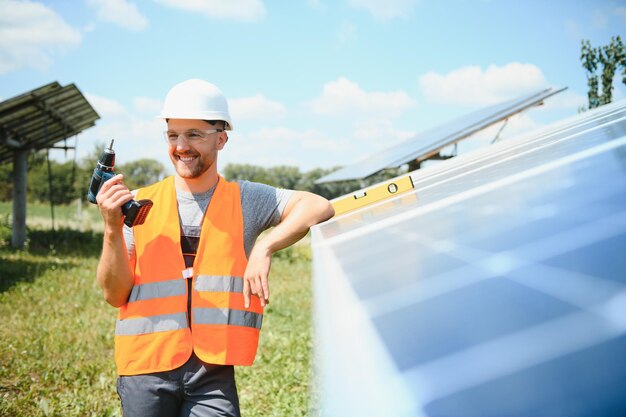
[
  {"x": 311, "y": 209},
  {"x": 328, "y": 212},
  {"x": 114, "y": 300},
  {"x": 324, "y": 209}
]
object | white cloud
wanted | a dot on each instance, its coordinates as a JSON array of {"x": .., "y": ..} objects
[
  {"x": 319, "y": 147},
  {"x": 147, "y": 105},
  {"x": 573, "y": 30},
  {"x": 385, "y": 9},
  {"x": 136, "y": 135},
  {"x": 619, "y": 90},
  {"x": 306, "y": 149},
  {"x": 620, "y": 13},
  {"x": 106, "y": 107},
  {"x": 520, "y": 123},
  {"x": 473, "y": 86},
  {"x": 89, "y": 27},
  {"x": 347, "y": 33},
  {"x": 243, "y": 10},
  {"x": 310, "y": 139},
  {"x": 598, "y": 20},
  {"x": 30, "y": 34},
  {"x": 257, "y": 107},
  {"x": 120, "y": 12},
  {"x": 517, "y": 124},
  {"x": 380, "y": 134},
  {"x": 143, "y": 140},
  {"x": 345, "y": 97},
  {"x": 567, "y": 99}
]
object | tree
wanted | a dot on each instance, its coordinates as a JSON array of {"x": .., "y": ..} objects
[
  {"x": 64, "y": 191},
  {"x": 141, "y": 172},
  {"x": 610, "y": 57},
  {"x": 292, "y": 178},
  {"x": 6, "y": 181},
  {"x": 283, "y": 176},
  {"x": 70, "y": 181},
  {"x": 234, "y": 172},
  {"x": 327, "y": 190}
]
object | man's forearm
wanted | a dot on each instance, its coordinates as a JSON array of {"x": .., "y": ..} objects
[
  {"x": 307, "y": 211},
  {"x": 114, "y": 275},
  {"x": 302, "y": 211}
]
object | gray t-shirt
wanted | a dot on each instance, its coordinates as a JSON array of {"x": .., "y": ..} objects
[{"x": 262, "y": 207}]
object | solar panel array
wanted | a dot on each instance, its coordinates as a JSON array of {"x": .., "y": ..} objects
[
  {"x": 433, "y": 140},
  {"x": 497, "y": 287},
  {"x": 42, "y": 117}
]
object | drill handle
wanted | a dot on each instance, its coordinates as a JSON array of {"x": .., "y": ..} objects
[
  {"x": 98, "y": 178},
  {"x": 135, "y": 212}
]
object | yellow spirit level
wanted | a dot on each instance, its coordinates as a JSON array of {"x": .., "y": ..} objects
[{"x": 371, "y": 195}]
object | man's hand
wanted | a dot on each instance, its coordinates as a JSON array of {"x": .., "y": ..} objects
[
  {"x": 255, "y": 279},
  {"x": 112, "y": 196},
  {"x": 113, "y": 274},
  {"x": 303, "y": 210}
]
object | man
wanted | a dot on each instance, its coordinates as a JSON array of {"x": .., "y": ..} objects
[{"x": 192, "y": 281}]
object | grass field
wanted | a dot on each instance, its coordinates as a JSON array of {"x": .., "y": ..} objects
[
  {"x": 56, "y": 354},
  {"x": 78, "y": 216}
]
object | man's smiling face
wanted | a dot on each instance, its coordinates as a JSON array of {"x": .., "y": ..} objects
[{"x": 195, "y": 145}]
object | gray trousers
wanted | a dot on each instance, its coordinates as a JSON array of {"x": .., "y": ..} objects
[{"x": 195, "y": 389}]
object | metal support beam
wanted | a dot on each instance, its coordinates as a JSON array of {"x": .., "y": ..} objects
[
  {"x": 501, "y": 129},
  {"x": 53, "y": 114},
  {"x": 20, "y": 168},
  {"x": 13, "y": 143},
  {"x": 9, "y": 138}
]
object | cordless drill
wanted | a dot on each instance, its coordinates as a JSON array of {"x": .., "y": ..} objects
[{"x": 135, "y": 212}]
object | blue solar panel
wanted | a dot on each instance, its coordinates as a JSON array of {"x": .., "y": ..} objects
[
  {"x": 435, "y": 139},
  {"x": 496, "y": 288}
]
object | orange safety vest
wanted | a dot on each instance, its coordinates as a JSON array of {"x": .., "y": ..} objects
[{"x": 152, "y": 332}]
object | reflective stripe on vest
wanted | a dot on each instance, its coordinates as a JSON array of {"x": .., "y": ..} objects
[
  {"x": 218, "y": 283},
  {"x": 152, "y": 324},
  {"x": 157, "y": 290},
  {"x": 227, "y": 316},
  {"x": 152, "y": 332}
]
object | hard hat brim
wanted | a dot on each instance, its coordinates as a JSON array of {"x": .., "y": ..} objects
[{"x": 199, "y": 116}]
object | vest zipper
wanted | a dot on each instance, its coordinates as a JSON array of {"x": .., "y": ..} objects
[{"x": 189, "y": 287}]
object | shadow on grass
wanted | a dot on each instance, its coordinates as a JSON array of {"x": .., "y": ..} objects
[
  {"x": 19, "y": 269},
  {"x": 65, "y": 242},
  {"x": 46, "y": 250}
]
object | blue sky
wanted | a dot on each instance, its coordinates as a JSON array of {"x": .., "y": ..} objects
[{"x": 311, "y": 83}]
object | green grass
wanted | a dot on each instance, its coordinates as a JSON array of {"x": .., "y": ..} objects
[
  {"x": 56, "y": 355},
  {"x": 83, "y": 216},
  {"x": 278, "y": 384}
]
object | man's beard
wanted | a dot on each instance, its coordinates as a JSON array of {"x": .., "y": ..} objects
[{"x": 199, "y": 167}]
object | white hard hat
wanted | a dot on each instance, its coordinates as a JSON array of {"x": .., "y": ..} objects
[{"x": 196, "y": 99}]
